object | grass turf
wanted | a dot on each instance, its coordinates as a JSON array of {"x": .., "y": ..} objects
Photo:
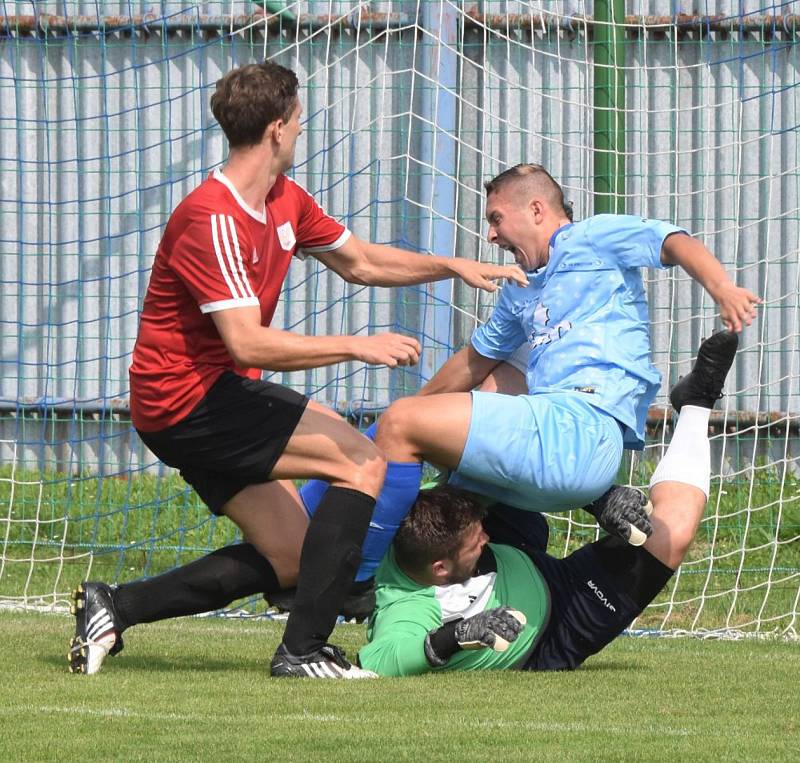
[{"x": 197, "y": 689}]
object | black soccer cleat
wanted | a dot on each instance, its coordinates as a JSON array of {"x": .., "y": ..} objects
[
  {"x": 326, "y": 662},
  {"x": 96, "y": 632},
  {"x": 702, "y": 386}
]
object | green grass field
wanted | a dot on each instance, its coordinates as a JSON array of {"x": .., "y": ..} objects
[{"x": 197, "y": 689}]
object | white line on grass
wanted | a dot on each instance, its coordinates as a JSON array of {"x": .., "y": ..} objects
[
  {"x": 103, "y": 712},
  {"x": 650, "y": 729}
]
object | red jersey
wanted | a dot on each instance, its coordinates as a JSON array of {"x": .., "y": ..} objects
[{"x": 216, "y": 253}]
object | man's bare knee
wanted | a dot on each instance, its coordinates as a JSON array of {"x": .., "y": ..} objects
[
  {"x": 286, "y": 564},
  {"x": 363, "y": 469},
  {"x": 394, "y": 425},
  {"x": 682, "y": 539},
  {"x": 272, "y": 519},
  {"x": 678, "y": 509}
]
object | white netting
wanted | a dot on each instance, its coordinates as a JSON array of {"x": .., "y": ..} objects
[{"x": 410, "y": 106}]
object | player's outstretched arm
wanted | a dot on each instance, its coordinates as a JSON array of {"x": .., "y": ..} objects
[
  {"x": 369, "y": 264},
  {"x": 252, "y": 345},
  {"x": 737, "y": 305},
  {"x": 461, "y": 372}
]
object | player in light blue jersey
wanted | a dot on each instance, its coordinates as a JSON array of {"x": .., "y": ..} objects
[
  {"x": 555, "y": 442},
  {"x": 589, "y": 379}
]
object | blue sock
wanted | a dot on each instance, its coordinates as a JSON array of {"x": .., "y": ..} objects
[
  {"x": 397, "y": 496},
  {"x": 311, "y": 493},
  {"x": 399, "y": 492}
]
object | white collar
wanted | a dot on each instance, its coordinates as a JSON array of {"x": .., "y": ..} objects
[{"x": 260, "y": 216}]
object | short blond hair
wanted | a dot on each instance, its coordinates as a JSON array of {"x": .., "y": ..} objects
[{"x": 536, "y": 180}]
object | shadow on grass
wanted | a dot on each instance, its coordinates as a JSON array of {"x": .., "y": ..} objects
[
  {"x": 148, "y": 664},
  {"x": 612, "y": 665}
]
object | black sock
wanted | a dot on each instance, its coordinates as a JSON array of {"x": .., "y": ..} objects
[
  {"x": 206, "y": 584},
  {"x": 328, "y": 564}
]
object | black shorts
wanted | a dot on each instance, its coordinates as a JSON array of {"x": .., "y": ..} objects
[
  {"x": 595, "y": 593},
  {"x": 232, "y": 438},
  {"x": 526, "y": 530}
]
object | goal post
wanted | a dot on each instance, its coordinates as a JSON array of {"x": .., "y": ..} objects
[{"x": 409, "y": 107}]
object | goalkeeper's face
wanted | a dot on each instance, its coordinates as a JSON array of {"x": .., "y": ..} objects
[{"x": 463, "y": 564}]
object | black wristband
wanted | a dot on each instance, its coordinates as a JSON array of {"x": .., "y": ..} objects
[{"x": 442, "y": 644}]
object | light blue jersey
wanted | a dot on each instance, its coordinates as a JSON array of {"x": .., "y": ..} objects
[{"x": 584, "y": 316}]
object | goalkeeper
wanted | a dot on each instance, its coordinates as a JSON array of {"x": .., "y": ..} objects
[{"x": 448, "y": 599}]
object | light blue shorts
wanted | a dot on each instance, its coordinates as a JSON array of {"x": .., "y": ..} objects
[{"x": 550, "y": 451}]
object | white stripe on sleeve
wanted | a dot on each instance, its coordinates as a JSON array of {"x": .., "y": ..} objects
[
  {"x": 239, "y": 260},
  {"x": 221, "y": 258},
  {"x": 329, "y": 247},
  {"x": 228, "y": 304},
  {"x": 224, "y": 221}
]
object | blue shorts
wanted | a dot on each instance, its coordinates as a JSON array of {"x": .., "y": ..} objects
[{"x": 550, "y": 451}]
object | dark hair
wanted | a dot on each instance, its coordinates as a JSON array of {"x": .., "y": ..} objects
[
  {"x": 539, "y": 179},
  {"x": 247, "y": 99},
  {"x": 435, "y": 527}
]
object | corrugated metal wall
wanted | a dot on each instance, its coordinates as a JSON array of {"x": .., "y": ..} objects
[{"x": 101, "y": 136}]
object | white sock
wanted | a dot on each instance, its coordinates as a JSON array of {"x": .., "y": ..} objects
[{"x": 688, "y": 457}]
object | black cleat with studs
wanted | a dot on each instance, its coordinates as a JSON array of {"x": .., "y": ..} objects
[
  {"x": 702, "y": 386},
  {"x": 96, "y": 633},
  {"x": 327, "y": 662}
]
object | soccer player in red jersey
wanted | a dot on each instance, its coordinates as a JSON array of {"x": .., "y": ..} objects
[{"x": 197, "y": 398}]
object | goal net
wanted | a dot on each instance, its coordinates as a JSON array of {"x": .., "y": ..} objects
[{"x": 408, "y": 106}]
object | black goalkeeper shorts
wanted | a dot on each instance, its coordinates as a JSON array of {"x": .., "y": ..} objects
[
  {"x": 596, "y": 592},
  {"x": 232, "y": 438}
]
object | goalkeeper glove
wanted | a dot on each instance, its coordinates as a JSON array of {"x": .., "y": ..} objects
[
  {"x": 623, "y": 512},
  {"x": 493, "y": 629}
]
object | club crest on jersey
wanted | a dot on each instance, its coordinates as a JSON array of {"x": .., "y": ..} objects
[
  {"x": 286, "y": 236},
  {"x": 542, "y": 333}
]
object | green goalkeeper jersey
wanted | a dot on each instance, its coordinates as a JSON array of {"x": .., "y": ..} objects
[{"x": 405, "y": 611}]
